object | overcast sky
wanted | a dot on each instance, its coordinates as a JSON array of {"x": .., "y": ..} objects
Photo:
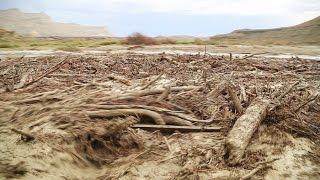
[{"x": 174, "y": 17}]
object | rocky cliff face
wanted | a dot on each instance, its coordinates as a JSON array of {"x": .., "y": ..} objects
[{"x": 41, "y": 25}]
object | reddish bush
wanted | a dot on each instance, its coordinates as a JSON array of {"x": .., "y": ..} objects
[{"x": 138, "y": 38}]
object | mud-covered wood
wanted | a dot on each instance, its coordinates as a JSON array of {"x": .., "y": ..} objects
[{"x": 240, "y": 135}]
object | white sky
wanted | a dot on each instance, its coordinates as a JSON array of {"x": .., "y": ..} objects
[
  {"x": 119, "y": 13},
  {"x": 299, "y": 9}
]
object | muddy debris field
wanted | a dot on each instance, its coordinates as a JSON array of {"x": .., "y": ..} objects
[{"x": 160, "y": 116}]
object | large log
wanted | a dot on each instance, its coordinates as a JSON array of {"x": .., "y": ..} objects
[{"x": 240, "y": 135}]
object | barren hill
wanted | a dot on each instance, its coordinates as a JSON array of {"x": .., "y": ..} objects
[
  {"x": 307, "y": 33},
  {"x": 41, "y": 25}
]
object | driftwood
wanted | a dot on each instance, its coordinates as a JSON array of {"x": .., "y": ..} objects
[
  {"x": 277, "y": 99},
  {"x": 164, "y": 95},
  {"x": 11, "y": 87},
  {"x": 307, "y": 102},
  {"x": 218, "y": 89},
  {"x": 22, "y": 81},
  {"x": 254, "y": 171},
  {"x": 251, "y": 55},
  {"x": 25, "y": 136},
  {"x": 54, "y": 68},
  {"x": 119, "y": 79},
  {"x": 125, "y": 106},
  {"x": 179, "y": 108},
  {"x": 234, "y": 98},
  {"x": 105, "y": 136},
  {"x": 122, "y": 112},
  {"x": 243, "y": 95},
  {"x": 147, "y": 92},
  {"x": 177, "y": 121},
  {"x": 153, "y": 81},
  {"x": 240, "y": 135},
  {"x": 69, "y": 75},
  {"x": 151, "y": 108},
  {"x": 186, "y": 117},
  {"x": 177, "y": 128},
  {"x": 287, "y": 91},
  {"x": 233, "y": 95}
]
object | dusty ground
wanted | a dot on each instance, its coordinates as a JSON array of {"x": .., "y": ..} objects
[{"x": 72, "y": 140}]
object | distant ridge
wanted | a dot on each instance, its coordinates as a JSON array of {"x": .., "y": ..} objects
[
  {"x": 307, "y": 33},
  {"x": 41, "y": 25}
]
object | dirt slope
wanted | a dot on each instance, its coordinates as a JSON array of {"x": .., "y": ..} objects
[
  {"x": 307, "y": 33},
  {"x": 40, "y": 24}
]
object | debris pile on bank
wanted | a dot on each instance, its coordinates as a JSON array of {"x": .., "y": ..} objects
[{"x": 93, "y": 107}]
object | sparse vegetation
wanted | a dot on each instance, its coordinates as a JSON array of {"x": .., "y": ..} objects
[
  {"x": 69, "y": 49},
  {"x": 9, "y": 39},
  {"x": 106, "y": 43},
  {"x": 8, "y": 45},
  {"x": 199, "y": 41},
  {"x": 138, "y": 39},
  {"x": 295, "y": 35},
  {"x": 166, "y": 41}
]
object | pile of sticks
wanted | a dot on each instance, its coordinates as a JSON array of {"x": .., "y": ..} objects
[{"x": 184, "y": 93}]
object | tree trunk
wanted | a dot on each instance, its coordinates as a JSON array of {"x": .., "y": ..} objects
[{"x": 240, "y": 135}]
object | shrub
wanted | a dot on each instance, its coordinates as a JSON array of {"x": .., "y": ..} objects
[
  {"x": 199, "y": 41},
  {"x": 138, "y": 39},
  {"x": 167, "y": 41}
]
